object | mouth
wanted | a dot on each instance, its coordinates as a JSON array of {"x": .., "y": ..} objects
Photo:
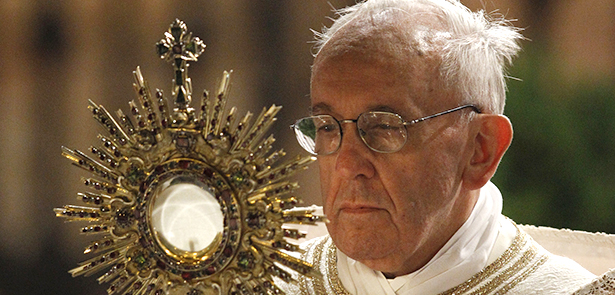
[{"x": 359, "y": 210}]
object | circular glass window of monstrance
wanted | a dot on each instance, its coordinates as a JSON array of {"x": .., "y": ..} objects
[
  {"x": 189, "y": 213},
  {"x": 186, "y": 218}
]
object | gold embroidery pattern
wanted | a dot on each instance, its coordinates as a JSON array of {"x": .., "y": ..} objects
[
  {"x": 524, "y": 274},
  {"x": 334, "y": 280},
  {"x": 303, "y": 280},
  {"x": 491, "y": 269},
  {"x": 522, "y": 268},
  {"x": 319, "y": 284}
]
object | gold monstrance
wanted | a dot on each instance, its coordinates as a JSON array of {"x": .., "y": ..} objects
[{"x": 184, "y": 201}]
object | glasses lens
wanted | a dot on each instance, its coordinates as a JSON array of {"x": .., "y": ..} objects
[
  {"x": 319, "y": 135},
  {"x": 382, "y": 132}
]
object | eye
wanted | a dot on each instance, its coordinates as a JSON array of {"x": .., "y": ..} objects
[
  {"x": 329, "y": 127},
  {"x": 325, "y": 124},
  {"x": 384, "y": 126}
]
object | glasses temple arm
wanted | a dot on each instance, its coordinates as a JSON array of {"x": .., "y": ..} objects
[{"x": 474, "y": 108}]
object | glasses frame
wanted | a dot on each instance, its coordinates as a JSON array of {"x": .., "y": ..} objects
[{"x": 404, "y": 123}]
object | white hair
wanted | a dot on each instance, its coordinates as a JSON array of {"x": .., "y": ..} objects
[{"x": 475, "y": 48}]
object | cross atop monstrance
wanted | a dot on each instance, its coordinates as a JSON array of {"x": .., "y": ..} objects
[{"x": 178, "y": 46}]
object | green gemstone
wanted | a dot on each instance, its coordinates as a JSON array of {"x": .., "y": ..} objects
[
  {"x": 181, "y": 97},
  {"x": 161, "y": 48},
  {"x": 178, "y": 78},
  {"x": 140, "y": 260},
  {"x": 237, "y": 178},
  {"x": 176, "y": 32},
  {"x": 134, "y": 175},
  {"x": 245, "y": 260},
  {"x": 191, "y": 47}
]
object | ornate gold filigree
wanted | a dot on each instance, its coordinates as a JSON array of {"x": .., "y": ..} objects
[{"x": 231, "y": 159}]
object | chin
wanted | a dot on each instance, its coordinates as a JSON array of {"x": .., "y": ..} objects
[{"x": 362, "y": 245}]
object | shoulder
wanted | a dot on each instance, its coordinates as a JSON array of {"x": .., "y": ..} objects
[
  {"x": 549, "y": 274},
  {"x": 557, "y": 275},
  {"x": 526, "y": 268}
]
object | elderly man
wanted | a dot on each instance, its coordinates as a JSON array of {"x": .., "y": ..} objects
[{"x": 407, "y": 99}]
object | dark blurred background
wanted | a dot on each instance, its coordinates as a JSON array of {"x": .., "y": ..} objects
[{"x": 55, "y": 55}]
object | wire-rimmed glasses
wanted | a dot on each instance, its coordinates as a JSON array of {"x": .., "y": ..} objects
[{"x": 383, "y": 132}]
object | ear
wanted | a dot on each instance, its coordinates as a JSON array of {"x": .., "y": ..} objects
[{"x": 490, "y": 139}]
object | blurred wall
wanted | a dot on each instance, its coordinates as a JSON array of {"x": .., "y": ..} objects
[{"x": 58, "y": 54}]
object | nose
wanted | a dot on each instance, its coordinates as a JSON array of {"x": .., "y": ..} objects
[{"x": 353, "y": 158}]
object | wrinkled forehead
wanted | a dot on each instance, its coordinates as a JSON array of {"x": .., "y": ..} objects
[
  {"x": 390, "y": 36},
  {"x": 400, "y": 50}
]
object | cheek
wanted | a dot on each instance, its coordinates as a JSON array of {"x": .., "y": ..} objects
[
  {"x": 416, "y": 183},
  {"x": 325, "y": 170}
]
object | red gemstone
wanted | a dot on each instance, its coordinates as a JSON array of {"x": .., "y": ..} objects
[
  {"x": 159, "y": 170},
  {"x": 226, "y": 195},
  {"x": 184, "y": 164},
  {"x": 186, "y": 276},
  {"x": 210, "y": 270},
  {"x": 233, "y": 224},
  {"x": 177, "y": 49},
  {"x": 161, "y": 265},
  {"x": 228, "y": 251}
]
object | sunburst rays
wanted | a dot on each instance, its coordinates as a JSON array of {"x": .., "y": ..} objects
[{"x": 232, "y": 158}]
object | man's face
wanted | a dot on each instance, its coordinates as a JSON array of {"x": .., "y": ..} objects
[{"x": 394, "y": 211}]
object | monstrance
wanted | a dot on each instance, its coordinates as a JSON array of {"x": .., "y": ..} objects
[{"x": 186, "y": 201}]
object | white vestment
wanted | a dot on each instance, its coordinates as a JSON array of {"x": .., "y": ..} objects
[{"x": 489, "y": 254}]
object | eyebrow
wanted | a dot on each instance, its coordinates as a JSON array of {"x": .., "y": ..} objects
[
  {"x": 322, "y": 107},
  {"x": 384, "y": 108}
]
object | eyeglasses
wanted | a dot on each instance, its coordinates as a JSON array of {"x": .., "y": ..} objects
[{"x": 382, "y": 132}]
